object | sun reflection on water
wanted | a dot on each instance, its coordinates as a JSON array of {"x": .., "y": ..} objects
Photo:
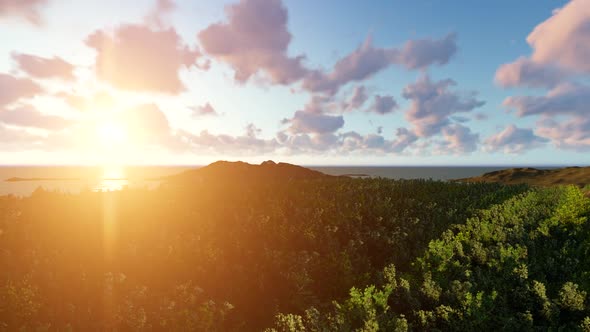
[{"x": 113, "y": 178}]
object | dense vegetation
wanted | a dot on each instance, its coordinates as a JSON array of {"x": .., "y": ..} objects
[
  {"x": 232, "y": 256},
  {"x": 522, "y": 265}
]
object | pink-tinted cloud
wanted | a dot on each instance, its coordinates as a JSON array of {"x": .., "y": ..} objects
[
  {"x": 140, "y": 58},
  {"x": 480, "y": 116},
  {"x": 357, "y": 99},
  {"x": 359, "y": 65},
  {"x": 307, "y": 122},
  {"x": 13, "y": 89},
  {"x": 432, "y": 104},
  {"x": 27, "y": 9},
  {"x": 28, "y": 116},
  {"x": 559, "y": 62},
  {"x": 40, "y": 67},
  {"x": 525, "y": 72},
  {"x": 147, "y": 126},
  {"x": 564, "y": 38},
  {"x": 566, "y": 98},
  {"x": 514, "y": 140},
  {"x": 246, "y": 144},
  {"x": 383, "y": 105},
  {"x": 355, "y": 142},
  {"x": 422, "y": 53},
  {"x": 97, "y": 101},
  {"x": 203, "y": 110},
  {"x": 17, "y": 139},
  {"x": 458, "y": 139},
  {"x": 146, "y": 123},
  {"x": 367, "y": 60},
  {"x": 572, "y": 134},
  {"x": 561, "y": 48},
  {"x": 254, "y": 40},
  {"x": 404, "y": 139},
  {"x": 162, "y": 8}
]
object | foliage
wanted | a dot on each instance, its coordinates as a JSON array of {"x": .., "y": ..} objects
[
  {"x": 206, "y": 257},
  {"x": 522, "y": 265}
]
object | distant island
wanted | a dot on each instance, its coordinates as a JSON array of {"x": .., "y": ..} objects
[{"x": 579, "y": 176}]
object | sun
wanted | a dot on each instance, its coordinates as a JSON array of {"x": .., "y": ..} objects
[
  {"x": 111, "y": 134},
  {"x": 113, "y": 143}
]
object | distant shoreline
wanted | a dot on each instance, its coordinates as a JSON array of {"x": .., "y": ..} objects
[{"x": 17, "y": 179}]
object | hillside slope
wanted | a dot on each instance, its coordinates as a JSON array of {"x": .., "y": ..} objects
[
  {"x": 234, "y": 171},
  {"x": 579, "y": 176}
]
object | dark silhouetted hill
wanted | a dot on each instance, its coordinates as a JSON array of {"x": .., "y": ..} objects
[
  {"x": 245, "y": 172},
  {"x": 579, "y": 176}
]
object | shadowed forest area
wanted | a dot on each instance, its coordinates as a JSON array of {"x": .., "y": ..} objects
[{"x": 315, "y": 253}]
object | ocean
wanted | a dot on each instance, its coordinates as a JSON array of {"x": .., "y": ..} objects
[{"x": 24, "y": 180}]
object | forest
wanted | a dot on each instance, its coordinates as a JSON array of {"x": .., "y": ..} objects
[{"x": 324, "y": 254}]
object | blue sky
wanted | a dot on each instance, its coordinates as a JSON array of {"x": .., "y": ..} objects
[{"x": 190, "y": 82}]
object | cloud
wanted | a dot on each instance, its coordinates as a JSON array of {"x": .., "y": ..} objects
[
  {"x": 566, "y": 98},
  {"x": 514, "y": 140},
  {"x": 564, "y": 38},
  {"x": 367, "y": 60},
  {"x": 421, "y": 53},
  {"x": 28, "y": 9},
  {"x": 13, "y": 89},
  {"x": 203, "y": 110},
  {"x": 561, "y": 49},
  {"x": 458, "y": 139},
  {"x": 307, "y": 122},
  {"x": 156, "y": 16},
  {"x": 307, "y": 143},
  {"x": 350, "y": 142},
  {"x": 383, "y": 105},
  {"x": 254, "y": 39},
  {"x": 361, "y": 64},
  {"x": 146, "y": 122},
  {"x": 480, "y": 116},
  {"x": 525, "y": 72},
  {"x": 353, "y": 141},
  {"x": 146, "y": 125},
  {"x": 320, "y": 104},
  {"x": 404, "y": 139},
  {"x": 139, "y": 58},
  {"x": 573, "y": 134},
  {"x": 246, "y": 144},
  {"x": 432, "y": 103},
  {"x": 98, "y": 101},
  {"x": 18, "y": 138},
  {"x": 39, "y": 67},
  {"x": 28, "y": 116},
  {"x": 357, "y": 99},
  {"x": 460, "y": 119}
]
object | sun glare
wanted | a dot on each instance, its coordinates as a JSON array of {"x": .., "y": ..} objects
[
  {"x": 112, "y": 142},
  {"x": 111, "y": 134}
]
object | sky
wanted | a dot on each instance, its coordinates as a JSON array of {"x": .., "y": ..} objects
[{"x": 330, "y": 82}]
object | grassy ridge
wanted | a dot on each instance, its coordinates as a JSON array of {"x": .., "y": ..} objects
[{"x": 579, "y": 176}]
